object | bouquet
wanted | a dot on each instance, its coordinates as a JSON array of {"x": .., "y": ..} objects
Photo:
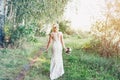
[{"x": 68, "y": 50}]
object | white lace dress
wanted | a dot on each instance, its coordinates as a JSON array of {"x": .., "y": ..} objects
[{"x": 56, "y": 67}]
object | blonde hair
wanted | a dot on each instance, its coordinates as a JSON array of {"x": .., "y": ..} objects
[{"x": 54, "y": 26}]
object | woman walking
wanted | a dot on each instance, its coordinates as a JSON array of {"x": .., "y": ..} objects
[{"x": 56, "y": 66}]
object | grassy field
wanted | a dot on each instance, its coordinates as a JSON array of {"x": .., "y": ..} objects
[{"x": 79, "y": 65}]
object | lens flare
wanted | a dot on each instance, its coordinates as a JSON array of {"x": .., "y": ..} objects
[{"x": 82, "y": 13}]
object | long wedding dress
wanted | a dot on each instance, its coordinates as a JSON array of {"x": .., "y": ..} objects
[{"x": 56, "y": 67}]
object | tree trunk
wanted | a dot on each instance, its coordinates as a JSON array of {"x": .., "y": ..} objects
[{"x": 2, "y": 20}]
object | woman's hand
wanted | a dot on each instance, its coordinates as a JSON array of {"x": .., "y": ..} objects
[{"x": 64, "y": 48}]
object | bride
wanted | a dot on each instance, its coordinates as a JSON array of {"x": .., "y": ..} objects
[{"x": 56, "y": 66}]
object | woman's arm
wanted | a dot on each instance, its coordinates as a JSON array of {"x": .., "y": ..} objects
[
  {"x": 49, "y": 41},
  {"x": 62, "y": 41}
]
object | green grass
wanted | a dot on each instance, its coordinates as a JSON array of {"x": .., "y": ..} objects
[
  {"x": 84, "y": 66},
  {"x": 79, "y": 65},
  {"x": 11, "y": 62}
]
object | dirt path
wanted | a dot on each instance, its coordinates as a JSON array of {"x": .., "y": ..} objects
[{"x": 27, "y": 67}]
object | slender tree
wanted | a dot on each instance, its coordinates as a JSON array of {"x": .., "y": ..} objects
[{"x": 2, "y": 20}]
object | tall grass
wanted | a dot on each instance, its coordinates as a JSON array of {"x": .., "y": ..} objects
[
  {"x": 79, "y": 65},
  {"x": 13, "y": 60},
  {"x": 84, "y": 66}
]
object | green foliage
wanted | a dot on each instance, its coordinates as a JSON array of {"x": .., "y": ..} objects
[
  {"x": 91, "y": 45},
  {"x": 13, "y": 60},
  {"x": 21, "y": 34},
  {"x": 7, "y": 28},
  {"x": 11, "y": 63},
  {"x": 7, "y": 31},
  {"x": 80, "y": 42},
  {"x": 38, "y": 9},
  {"x": 30, "y": 13},
  {"x": 84, "y": 66},
  {"x": 43, "y": 33},
  {"x": 78, "y": 65},
  {"x": 65, "y": 27}
]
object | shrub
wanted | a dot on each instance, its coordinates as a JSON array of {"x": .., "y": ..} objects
[{"x": 65, "y": 27}]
